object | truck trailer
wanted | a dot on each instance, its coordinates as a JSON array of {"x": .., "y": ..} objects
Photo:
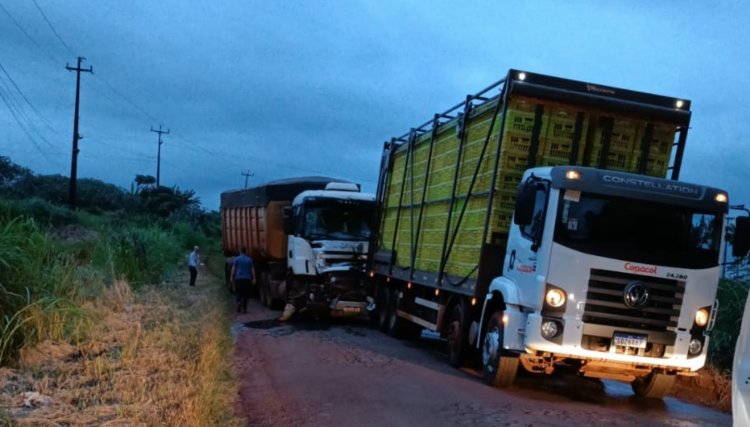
[
  {"x": 533, "y": 224},
  {"x": 306, "y": 235}
]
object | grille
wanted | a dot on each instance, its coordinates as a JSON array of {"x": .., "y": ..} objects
[{"x": 605, "y": 303}]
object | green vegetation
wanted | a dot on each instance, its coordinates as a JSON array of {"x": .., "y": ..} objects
[
  {"x": 53, "y": 259},
  {"x": 732, "y": 295}
]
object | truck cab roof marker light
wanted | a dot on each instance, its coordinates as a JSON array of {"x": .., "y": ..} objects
[
  {"x": 437, "y": 292},
  {"x": 572, "y": 175},
  {"x": 521, "y": 76},
  {"x": 408, "y": 285},
  {"x": 721, "y": 198},
  {"x": 679, "y": 103}
]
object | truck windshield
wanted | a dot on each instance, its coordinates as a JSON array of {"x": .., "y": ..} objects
[
  {"x": 331, "y": 219},
  {"x": 638, "y": 230}
]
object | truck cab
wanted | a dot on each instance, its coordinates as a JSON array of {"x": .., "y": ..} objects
[
  {"x": 328, "y": 234},
  {"x": 612, "y": 272}
]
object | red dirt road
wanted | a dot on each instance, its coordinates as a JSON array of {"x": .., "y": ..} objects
[{"x": 337, "y": 373}]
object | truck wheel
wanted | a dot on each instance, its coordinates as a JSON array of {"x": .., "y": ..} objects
[
  {"x": 383, "y": 309},
  {"x": 653, "y": 386},
  {"x": 500, "y": 368},
  {"x": 456, "y": 335}
]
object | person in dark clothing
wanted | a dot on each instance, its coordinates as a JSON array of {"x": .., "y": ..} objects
[{"x": 243, "y": 277}]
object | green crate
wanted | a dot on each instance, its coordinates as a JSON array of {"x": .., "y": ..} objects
[
  {"x": 512, "y": 162},
  {"x": 655, "y": 165},
  {"x": 615, "y": 160},
  {"x": 624, "y": 135},
  {"x": 662, "y": 140}
]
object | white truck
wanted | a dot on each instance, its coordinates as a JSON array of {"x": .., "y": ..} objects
[
  {"x": 535, "y": 227},
  {"x": 308, "y": 236},
  {"x": 328, "y": 241}
]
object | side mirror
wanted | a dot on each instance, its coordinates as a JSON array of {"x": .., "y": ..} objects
[
  {"x": 741, "y": 243},
  {"x": 524, "y": 211},
  {"x": 288, "y": 220}
]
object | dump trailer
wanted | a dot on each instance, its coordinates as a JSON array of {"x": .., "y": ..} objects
[
  {"x": 308, "y": 234},
  {"x": 533, "y": 224}
]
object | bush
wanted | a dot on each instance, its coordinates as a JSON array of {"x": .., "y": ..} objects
[{"x": 732, "y": 295}]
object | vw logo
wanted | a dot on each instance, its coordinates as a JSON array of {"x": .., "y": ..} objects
[{"x": 635, "y": 295}]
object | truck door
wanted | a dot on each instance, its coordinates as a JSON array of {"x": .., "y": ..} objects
[{"x": 521, "y": 260}]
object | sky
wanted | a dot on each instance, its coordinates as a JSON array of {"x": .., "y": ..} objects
[{"x": 280, "y": 89}]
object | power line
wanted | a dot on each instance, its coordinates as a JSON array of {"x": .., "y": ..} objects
[
  {"x": 21, "y": 125},
  {"x": 52, "y": 27},
  {"x": 18, "y": 89},
  {"x": 27, "y": 34}
]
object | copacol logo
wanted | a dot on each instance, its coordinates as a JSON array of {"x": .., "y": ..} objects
[{"x": 635, "y": 295}]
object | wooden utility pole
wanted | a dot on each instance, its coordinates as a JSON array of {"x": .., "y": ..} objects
[
  {"x": 247, "y": 175},
  {"x": 76, "y": 136},
  {"x": 158, "y": 155}
]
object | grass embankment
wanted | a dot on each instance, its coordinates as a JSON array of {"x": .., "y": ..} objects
[
  {"x": 98, "y": 328},
  {"x": 161, "y": 356},
  {"x": 713, "y": 385}
]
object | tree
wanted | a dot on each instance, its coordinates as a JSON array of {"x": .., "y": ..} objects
[
  {"x": 164, "y": 201},
  {"x": 144, "y": 182}
]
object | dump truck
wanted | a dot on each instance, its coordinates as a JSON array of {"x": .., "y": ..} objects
[
  {"x": 541, "y": 223},
  {"x": 310, "y": 234}
]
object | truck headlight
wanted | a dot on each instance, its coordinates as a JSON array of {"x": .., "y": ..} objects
[
  {"x": 695, "y": 346},
  {"x": 555, "y": 297},
  {"x": 701, "y": 317},
  {"x": 550, "y": 329}
]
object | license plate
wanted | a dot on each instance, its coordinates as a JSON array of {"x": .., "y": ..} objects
[
  {"x": 352, "y": 309},
  {"x": 629, "y": 340}
]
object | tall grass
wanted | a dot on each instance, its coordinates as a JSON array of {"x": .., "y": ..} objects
[
  {"x": 44, "y": 281},
  {"x": 732, "y": 295}
]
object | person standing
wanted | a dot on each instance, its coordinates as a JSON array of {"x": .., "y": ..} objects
[
  {"x": 243, "y": 277},
  {"x": 194, "y": 261}
]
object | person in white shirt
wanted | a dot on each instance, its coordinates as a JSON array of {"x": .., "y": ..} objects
[{"x": 194, "y": 260}]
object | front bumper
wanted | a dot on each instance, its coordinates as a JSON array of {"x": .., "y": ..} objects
[{"x": 674, "y": 358}]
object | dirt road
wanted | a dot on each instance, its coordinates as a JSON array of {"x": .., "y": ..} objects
[{"x": 339, "y": 373}]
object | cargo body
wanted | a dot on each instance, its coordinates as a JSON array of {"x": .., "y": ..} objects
[
  {"x": 449, "y": 257},
  {"x": 323, "y": 271}
]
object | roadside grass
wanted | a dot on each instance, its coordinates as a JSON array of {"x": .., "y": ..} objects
[
  {"x": 713, "y": 385},
  {"x": 159, "y": 356}
]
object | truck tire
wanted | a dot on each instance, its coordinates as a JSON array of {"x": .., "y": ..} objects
[
  {"x": 653, "y": 386},
  {"x": 499, "y": 367},
  {"x": 383, "y": 308},
  {"x": 456, "y": 335}
]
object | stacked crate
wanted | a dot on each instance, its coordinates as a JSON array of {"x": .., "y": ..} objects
[
  {"x": 659, "y": 152},
  {"x": 425, "y": 241},
  {"x": 621, "y": 145},
  {"x": 558, "y": 142}
]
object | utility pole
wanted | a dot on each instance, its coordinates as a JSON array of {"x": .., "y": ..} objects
[
  {"x": 247, "y": 175},
  {"x": 158, "y": 156},
  {"x": 76, "y": 136}
]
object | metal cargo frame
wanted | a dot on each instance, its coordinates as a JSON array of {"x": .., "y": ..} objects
[{"x": 610, "y": 100}]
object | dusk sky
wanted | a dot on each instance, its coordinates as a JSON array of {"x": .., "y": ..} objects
[{"x": 295, "y": 88}]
